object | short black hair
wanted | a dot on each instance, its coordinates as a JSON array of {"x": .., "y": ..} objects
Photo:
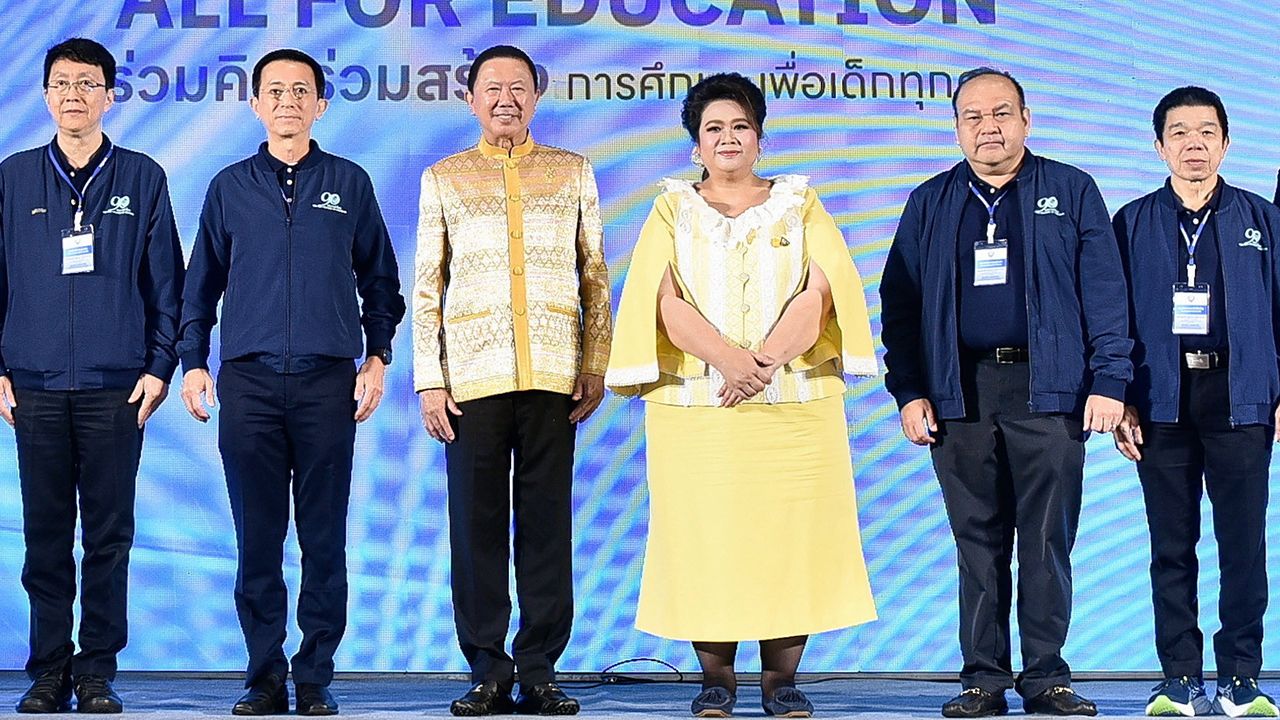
[
  {"x": 983, "y": 71},
  {"x": 82, "y": 50},
  {"x": 500, "y": 51},
  {"x": 1189, "y": 96},
  {"x": 292, "y": 56},
  {"x": 722, "y": 86}
]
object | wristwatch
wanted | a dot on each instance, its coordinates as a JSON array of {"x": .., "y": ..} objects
[{"x": 383, "y": 354}]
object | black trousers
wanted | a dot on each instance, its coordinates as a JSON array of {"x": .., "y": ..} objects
[
  {"x": 533, "y": 427},
  {"x": 1005, "y": 470},
  {"x": 281, "y": 435},
  {"x": 1203, "y": 450},
  {"x": 83, "y": 445}
]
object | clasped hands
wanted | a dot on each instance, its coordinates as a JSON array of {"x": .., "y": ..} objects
[{"x": 745, "y": 374}]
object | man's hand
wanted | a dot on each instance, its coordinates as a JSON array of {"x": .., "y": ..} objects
[
  {"x": 434, "y": 405},
  {"x": 1128, "y": 434},
  {"x": 152, "y": 391},
  {"x": 919, "y": 422},
  {"x": 1276, "y": 419},
  {"x": 197, "y": 383},
  {"x": 7, "y": 399},
  {"x": 1102, "y": 414},
  {"x": 369, "y": 386},
  {"x": 588, "y": 391}
]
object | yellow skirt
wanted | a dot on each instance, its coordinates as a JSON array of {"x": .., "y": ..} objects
[{"x": 753, "y": 524}]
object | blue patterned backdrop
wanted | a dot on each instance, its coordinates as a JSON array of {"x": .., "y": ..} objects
[{"x": 859, "y": 100}]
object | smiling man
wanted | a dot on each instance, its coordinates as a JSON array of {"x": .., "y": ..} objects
[
  {"x": 1006, "y": 343},
  {"x": 90, "y": 280},
  {"x": 511, "y": 329},
  {"x": 288, "y": 239},
  {"x": 1200, "y": 258}
]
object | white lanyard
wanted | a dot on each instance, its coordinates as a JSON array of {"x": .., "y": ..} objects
[
  {"x": 991, "y": 211},
  {"x": 1193, "y": 241}
]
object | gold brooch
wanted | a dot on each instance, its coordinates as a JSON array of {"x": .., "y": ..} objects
[{"x": 781, "y": 242}]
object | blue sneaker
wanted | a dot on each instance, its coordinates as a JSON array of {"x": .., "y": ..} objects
[
  {"x": 1242, "y": 698},
  {"x": 1179, "y": 696},
  {"x": 788, "y": 702},
  {"x": 713, "y": 702}
]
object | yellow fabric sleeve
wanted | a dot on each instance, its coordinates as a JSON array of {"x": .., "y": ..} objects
[
  {"x": 640, "y": 351},
  {"x": 848, "y": 334}
]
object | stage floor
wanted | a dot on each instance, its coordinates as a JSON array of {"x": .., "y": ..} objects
[{"x": 386, "y": 697}]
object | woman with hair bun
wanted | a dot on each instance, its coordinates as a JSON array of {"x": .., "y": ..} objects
[{"x": 741, "y": 314}]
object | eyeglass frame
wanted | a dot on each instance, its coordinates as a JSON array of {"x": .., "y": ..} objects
[
  {"x": 63, "y": 87},
  {"x": 299, "y": 92}
]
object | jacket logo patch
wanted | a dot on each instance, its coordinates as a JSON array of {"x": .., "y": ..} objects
[
  {"x": 119, "y": 205},
  {"x": 1253, "y": 239},
  {"x": 330, "y": 201},
  {"x": 39, "y": 211},
  {"x": 1048, "y": 206}
]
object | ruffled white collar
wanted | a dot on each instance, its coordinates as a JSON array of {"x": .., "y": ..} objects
[{"x": 786, "y": 194}]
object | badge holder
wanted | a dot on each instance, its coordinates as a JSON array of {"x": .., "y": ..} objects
[
  {"x": 1190, "y": 309},
  {"x": 77, "y": 250},
  {"x": 990, "y": 262}
]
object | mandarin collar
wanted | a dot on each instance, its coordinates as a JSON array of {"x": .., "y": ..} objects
[{"x": 497, "y": 153}]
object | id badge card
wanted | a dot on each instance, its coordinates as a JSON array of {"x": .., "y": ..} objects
[
  {"x": 77, "y": 250},
  {"x": 990, "y": 263},
  {"x": 1190, "y": 309}
]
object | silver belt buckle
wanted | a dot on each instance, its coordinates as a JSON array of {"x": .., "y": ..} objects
[
  {"x": 1197, "y": 361},
  {"x": 1006, "y": 356}
]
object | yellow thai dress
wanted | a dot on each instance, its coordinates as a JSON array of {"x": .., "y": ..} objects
[{"x": 753, "y": 523}]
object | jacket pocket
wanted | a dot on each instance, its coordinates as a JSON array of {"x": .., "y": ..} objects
[{"x": 469, "y": 316}]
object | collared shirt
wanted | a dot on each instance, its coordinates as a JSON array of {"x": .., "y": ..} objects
[
  {"x": 992, "y": 316},
  {"x": 80, "y": 176},
  {"x": 285, "y": 171},
  {"x": 516, "y": 237},
  {"x": 1208, "y": 266}
]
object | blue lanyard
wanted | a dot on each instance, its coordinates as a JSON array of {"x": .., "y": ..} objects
[
  {"x": 79, "y": 195},
  {"x": 991, "y": 211},
  {"x": 1192, "y": 241}
]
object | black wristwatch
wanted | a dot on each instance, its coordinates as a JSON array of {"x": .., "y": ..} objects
[{"x": 383, "y": 354}]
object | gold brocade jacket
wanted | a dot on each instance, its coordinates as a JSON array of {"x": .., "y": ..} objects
[{"x": 511, "y": 291}]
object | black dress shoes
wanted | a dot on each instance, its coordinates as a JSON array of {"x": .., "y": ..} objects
[
  {"x": 315, "y": 699},
  {"x": 267, "y": 696},
  {"x": 94, "y": 694},
  {"x": 1059, "y": 700},
  {"x": 50, "y": 693},
  {"x": 975, "y": 702},
  {"x": 545, "y": 699},
  {"x": 486, "y": 698}
]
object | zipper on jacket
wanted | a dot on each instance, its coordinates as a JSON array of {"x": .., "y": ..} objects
[
  {"x": 288, "y": 276},
  {"x": 71, "y": 326},
  {"x": 1226, "y": 313}
]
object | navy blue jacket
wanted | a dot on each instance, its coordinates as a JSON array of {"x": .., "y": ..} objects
[
  {"x": 91, "y": 330},
  {"x": 1247, "y": 227},
  {"x": 291, "y": 275},
  {"x": 1077, "y": 331}
]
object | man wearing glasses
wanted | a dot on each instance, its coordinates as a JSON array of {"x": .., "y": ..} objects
[
  {"x": 90, "y": 283},
  {"x": 1006, "y": 343},
  {"x": 288, "y": 238}
]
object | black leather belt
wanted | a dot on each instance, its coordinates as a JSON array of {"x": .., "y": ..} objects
[
  {"x": 1200, "y": 360},
  {"x": 1006, "y": 355}
]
